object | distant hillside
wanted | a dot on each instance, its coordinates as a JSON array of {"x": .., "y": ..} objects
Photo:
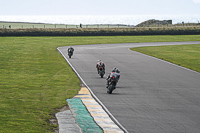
[{"x": 153, "y": 22}]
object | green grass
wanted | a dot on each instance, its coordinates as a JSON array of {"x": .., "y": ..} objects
[
  {"x": 35, "y": 79},
  {"x": 184, "y": 55}
]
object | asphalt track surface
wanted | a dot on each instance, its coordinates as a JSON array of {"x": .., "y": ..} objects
[{"x": 152, "y": 95}]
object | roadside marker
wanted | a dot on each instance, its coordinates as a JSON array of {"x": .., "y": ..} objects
[{"x": 97, "y": 112}]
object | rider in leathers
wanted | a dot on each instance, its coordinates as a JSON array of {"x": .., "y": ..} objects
[
  {"x": 116, "y": 72},
  {"x": 70, "y": 49},
  {"x": 100, "y": 63}
]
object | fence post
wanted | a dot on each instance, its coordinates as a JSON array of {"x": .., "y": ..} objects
[{"x": 66, "y": 26}]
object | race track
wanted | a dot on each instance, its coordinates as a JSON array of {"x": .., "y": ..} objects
[{"x": 152, "y": 95}]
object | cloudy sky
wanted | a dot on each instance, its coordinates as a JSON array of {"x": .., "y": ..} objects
[{"x": 99, "y": 7}]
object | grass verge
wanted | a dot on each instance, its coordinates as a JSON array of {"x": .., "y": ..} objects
[
  {"x": 184, "y": 55},
  {"x": 35, "y": 80},
  {"x": 190, "y": 30}
]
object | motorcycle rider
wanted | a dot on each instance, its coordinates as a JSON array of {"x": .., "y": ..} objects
[
  {"x": 115, "y": 72},
  {"x": 70, "y": 50},
  {"x": 100, "y": 63}
]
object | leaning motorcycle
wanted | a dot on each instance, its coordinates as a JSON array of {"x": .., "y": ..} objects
[
  {"x": 101, "y": 71},
  {"x": 70, "y": 53},
  {"x": 112, "y": 84}
]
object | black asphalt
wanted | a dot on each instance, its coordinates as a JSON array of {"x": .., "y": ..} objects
[{"x": 152, "y": 96}]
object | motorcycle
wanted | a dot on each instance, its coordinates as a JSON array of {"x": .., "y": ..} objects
[
  {"x": 70, "y": 53},
  {"x": 112, "y": 85},
  {"x": 101, "y": 71}
]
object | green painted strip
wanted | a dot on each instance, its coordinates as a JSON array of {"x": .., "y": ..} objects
[{"x": 83, "y": 118}]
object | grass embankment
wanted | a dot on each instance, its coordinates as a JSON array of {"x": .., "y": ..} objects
[
  {"x": 190, "y": 30},
  {"x": 184, "y": 55},
  {"x": 35, "y": 79}
]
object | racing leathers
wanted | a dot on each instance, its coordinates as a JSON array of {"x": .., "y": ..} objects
[
  {"x": 100, "y": 64},
  {"x": 115, "y": 72},
  {"x": 70, "y": 50}
]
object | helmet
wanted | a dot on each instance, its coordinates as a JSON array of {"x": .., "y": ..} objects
[
  {"x": 117, "y": 70},
  {"x": 99, "y": 61},
  {"x": 114, "y": 69}
]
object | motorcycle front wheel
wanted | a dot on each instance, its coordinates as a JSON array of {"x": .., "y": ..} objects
[{"x": 110, "y": 89}]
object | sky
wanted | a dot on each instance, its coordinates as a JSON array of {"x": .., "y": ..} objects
[{"x": 100, "y": 7}]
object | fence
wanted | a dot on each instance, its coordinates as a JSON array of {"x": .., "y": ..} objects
[{"x": 39, "y": 25}]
